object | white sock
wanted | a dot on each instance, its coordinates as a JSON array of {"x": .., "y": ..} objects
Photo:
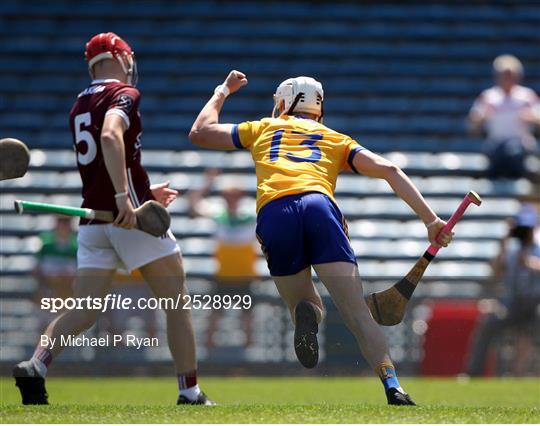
[
  {"x": 39, "y": 366},
  {"x": 191, "y": 393}
]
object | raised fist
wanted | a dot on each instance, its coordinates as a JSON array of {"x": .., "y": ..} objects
[{"x": 235, "y": 80}]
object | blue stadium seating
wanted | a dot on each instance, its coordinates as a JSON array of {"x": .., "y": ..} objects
[
  {"x": 399, "y": 77},
  {"x": 406, "y": 70}
]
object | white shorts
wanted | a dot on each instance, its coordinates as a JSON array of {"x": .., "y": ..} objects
[{"x": 110, "y": 247}]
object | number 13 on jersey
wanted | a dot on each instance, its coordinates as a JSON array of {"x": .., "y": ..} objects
[{"x": 309, "y": 141}]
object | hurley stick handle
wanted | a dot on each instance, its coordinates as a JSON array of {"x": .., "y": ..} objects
[
  {"x": 471, "y": 198},
  {"x": 31, "y": 206},
  {"x": 103, "y": 215},
  {"x": 388, "y": 306},
  {"x": 152, "y": 217}
]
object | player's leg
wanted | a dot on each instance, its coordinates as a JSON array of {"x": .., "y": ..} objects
[
  {"x": 166, "y": 278},
  {"x": 280, "y": 232},
  {"x": 299, "y": 287},
  {"x": 97, "y": 262},
  {"x": 345, "y": 287},
  {"x": 30, "y": 375},
  {"x": 306, "y": 308},
  {"x": 89, "y": 283},
  {"x": 343, "y": 283},
  {"x": 333, "y": 259},
  {"x": 160, "y": 263}
]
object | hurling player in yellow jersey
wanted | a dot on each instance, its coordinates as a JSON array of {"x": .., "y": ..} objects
[{"x": 297, "y": 160}]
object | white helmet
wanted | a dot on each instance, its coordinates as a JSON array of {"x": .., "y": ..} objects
[{"x": 300, "y": 94}]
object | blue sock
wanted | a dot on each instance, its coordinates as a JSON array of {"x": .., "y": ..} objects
[{"x": 388, "y": 376}]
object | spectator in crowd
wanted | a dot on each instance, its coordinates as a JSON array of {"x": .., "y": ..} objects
[
  {"x": 57, "y": 263},
  {"x": 518, "y": 266},
  {"x": 508, "y": 113},
  {"x": 236, "y": 250}
]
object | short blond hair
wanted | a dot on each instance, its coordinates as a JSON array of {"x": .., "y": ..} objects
[{"x": 510, "y": 63}]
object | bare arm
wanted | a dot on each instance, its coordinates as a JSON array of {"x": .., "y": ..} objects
[
  {"x": 531, "y": 114},
  {"x": 479, "y": 114},
  {"x": 474, "y": 123},
  {"x": 373, "y": 165},
  {"x": 112, "y": 145},
  {"x": 206, "y": 130},
  {"x": 196, "y": 196}
]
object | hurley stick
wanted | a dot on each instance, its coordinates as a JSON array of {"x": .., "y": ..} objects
[
  {"x": 388, "y": 307},
  {"x": 152, "y": 217}
]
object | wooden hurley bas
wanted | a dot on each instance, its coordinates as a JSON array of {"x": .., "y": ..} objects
[
  {"x": 152, "y": 217},
  {"x": 14, "y": 158},
  {"x": 388, "y": 307}
]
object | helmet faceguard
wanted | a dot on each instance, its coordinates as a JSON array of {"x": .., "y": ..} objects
[
  {"x": 129, "y": 65},
  {"x": 300, "y": 94},
  {"x": 110, "y": 46}
]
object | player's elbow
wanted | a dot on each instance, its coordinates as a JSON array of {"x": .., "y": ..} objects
[
  {"x": 109, "y": 137},
  {"x": 196, "y": 135},
  {"x": 389, "y": 171}
]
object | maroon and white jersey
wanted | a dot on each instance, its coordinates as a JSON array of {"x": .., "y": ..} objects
[{"x": 86, "y": 118}]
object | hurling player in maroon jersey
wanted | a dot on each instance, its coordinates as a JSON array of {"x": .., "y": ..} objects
[{"x": 106, "y": 127}]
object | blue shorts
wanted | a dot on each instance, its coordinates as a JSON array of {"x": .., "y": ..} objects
[{"x": 301, "y": 230}]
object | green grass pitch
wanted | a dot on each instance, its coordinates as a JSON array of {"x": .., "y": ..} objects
[{"x": 276, "y": 400}]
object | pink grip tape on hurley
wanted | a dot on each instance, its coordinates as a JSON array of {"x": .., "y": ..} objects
[{"x": 471, "y": 197}]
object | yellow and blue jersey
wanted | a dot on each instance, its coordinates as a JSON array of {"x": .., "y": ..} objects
[{"x": 294, "y": 155}]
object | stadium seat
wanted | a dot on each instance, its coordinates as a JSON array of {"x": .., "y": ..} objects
[{"x": 402, "y": 90}]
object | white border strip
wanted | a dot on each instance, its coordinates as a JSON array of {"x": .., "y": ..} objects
[{"x": 121, "y": 113}]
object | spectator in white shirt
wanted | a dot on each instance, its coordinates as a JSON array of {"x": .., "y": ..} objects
[{"x": 509, "y": 114}]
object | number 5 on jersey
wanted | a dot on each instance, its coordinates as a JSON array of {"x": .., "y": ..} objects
[
  {"x": 85, "y": 120},
  {"x": 310, "y": 142}
]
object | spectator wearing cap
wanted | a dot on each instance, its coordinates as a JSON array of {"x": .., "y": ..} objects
[
  {"x": 508, "y": 113},
  {"x": 518, "y": 267}
]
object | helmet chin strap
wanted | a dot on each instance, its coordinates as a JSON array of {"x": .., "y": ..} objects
[
  {"x": 274, "y": 110},
  {"x": 294, "y": 103}
]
